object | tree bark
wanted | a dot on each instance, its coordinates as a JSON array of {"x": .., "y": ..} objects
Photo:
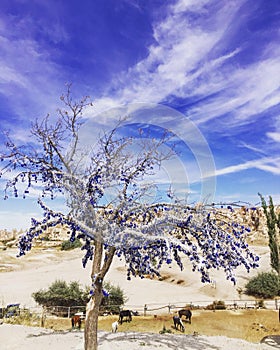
[
  {"x": 91, "y": 324},
  {"x": 97, "y": 276}
]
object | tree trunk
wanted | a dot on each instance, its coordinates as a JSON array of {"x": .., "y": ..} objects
[
  {"x": 97, "y": 276},
  {"x": 91, "y": 324}
]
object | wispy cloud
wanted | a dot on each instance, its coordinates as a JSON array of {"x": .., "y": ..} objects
[
  {"x": 198, "y": 59},
  {"x": 247, "y": 92},
  {"x": 271, "y": 165},
  {"x": 257, "y": 150},
  {"x": 184, "y": 63},
  {"x": 28, "y": 74},
  {"x": 275, "y": 136},
  {"x": 176, "y": 59}
]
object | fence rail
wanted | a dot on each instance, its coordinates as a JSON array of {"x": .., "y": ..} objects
[{"x": 149, "y": 309}]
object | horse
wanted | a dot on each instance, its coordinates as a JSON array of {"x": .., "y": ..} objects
[
  {"x": 76, "y": 320},
  {"x": 186, "y": 313},
  {"x": 115, "y": 326},
  {"x": 125, "y": 313},
  {"x": 178, "y": 323}
]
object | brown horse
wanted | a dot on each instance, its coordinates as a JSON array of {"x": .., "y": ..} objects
[
  {"x": 76, "y": 320},
  {"x": 187, "y": 313}
]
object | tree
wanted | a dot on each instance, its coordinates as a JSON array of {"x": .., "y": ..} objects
[
  {"x": 264, "y": 285},
  {"x": 109, "y": 203},
  {"x": 69, "y": 245},
  {"x": 62, "y": 294},
  {"x": 273, "y": 225},
  {"x": 115, "y": 300}
]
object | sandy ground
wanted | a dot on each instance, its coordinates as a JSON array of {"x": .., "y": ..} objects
[
  {"x": 39, "y": 270},
  {"x": 29, "y": 338}
]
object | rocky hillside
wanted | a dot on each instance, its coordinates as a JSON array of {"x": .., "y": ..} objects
[
  {"x": 252, "y": 218},
  {"x": 53, "y": 236}
]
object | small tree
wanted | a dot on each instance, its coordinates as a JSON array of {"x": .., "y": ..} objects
[
  {"x": 110, "y": 207},
  {"x": 115, "y": 299},
  {"x": 69, "y": 245},
  {"x": 273, "y": 225},
  {"x": 264, "y": 285},
  {"x": 62, "y": 294}
]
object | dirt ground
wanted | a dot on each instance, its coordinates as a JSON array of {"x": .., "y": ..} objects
[
  {"x": 30, "y": 338},
  {"x": 249, "y": 325},
  {"x": 19, "y": 278}
]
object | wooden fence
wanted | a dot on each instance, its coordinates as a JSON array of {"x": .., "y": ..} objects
[
  {"x": 153, "y": 309},
  {"x": 150, "y": 309}
]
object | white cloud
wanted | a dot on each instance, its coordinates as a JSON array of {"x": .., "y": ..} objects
[
  {"x": 271, "y": 165},
  {"x": 10, "y": 75},
  {"x": 179, "y": 64},
  {"x": 27, "y": 72},
  {"x": 191, "y": 5},
  {"x": 275, "y": 136},
  {"x": 175, "y": 61},
  {"x": 247, "y": 92},
  {"x": 252, "y": 148}
]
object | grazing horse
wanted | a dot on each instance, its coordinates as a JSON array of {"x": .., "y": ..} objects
[
  {"x": 76, "y": 320},
  {"x": 115, "y": 326},
  {"x": 186, "y": 313},
  {"x": 125, "y": 313},
  {"x": 178, "y": 323}
]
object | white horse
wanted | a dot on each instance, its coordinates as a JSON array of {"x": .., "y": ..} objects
[{"x": 115, "y": 326}]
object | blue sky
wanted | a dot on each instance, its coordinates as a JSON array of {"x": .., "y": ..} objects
[{"x": 212, "y": 66}]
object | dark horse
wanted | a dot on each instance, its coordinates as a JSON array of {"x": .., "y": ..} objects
[
  {"x": 178, "y": 323},
  {"x": 186, "y": 313},
  {"x": 76, "y": 320},
  {"x": 123, "y": 314}
]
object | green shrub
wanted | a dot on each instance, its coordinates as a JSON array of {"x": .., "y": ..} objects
[
  {"x": 264, "y": 285},
  {"x": 61, "y": 294},
  {"x": 115, "y": 300},
  {"x": 68, "y": 245}
]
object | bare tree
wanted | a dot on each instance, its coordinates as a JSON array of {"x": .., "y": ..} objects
[{"x": 110, "y": 207}]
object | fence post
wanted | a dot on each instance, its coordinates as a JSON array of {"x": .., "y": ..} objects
[
  {"x": 43, "y": 317},
  {"x": 69, "y": 309},
  {"x": 145, "y": 309}
]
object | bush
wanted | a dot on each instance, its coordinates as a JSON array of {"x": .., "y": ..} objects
[
  {"x": 68, "y": 245},
  {"x": 216, "y": 305},
  {"x": 260, "y": 304},
  {"x": 62, "y": 294},
  {"x": 264, "y": 285},
  {"x": 115, "y": 300}
]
